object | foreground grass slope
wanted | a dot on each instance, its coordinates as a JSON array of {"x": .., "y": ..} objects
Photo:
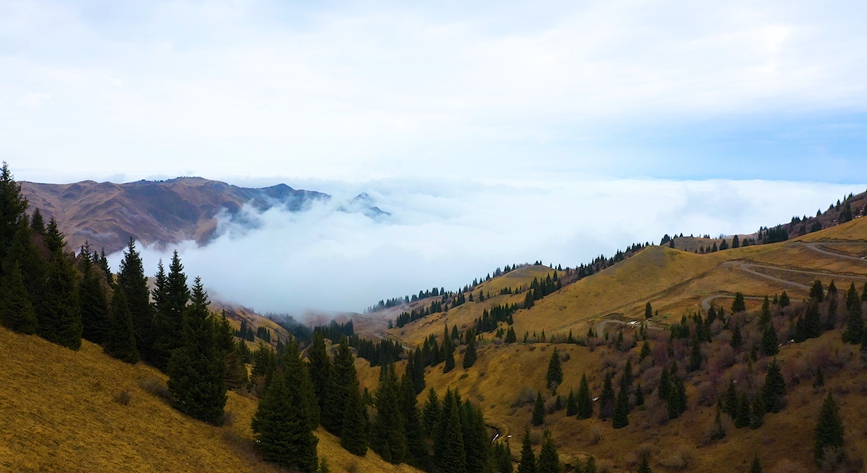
[{"x": 59, "y": 412}]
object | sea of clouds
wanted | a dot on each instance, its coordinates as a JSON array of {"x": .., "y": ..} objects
[{"x": 446, "y": 233}]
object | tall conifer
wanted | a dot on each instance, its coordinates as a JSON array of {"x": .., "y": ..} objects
[{"x": 120, "y": 342}]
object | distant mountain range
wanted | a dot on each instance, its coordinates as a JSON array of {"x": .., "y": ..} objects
[{"x": 164, "y": 212}]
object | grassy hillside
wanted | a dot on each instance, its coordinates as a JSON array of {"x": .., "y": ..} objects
[
  {"x": 60, "y": 413},
  {"x": 506, "y": 377}
]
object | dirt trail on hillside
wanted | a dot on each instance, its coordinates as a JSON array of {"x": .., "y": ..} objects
[{"x": 817, "y": 247}]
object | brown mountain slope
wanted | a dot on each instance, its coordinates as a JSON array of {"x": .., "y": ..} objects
[
  {"x": 63, "y": 415},
  {"x": 161, "y": 212}
]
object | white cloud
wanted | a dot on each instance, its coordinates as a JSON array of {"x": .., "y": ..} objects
[
  {"x": 367, "y": 91},
  {"x": 445, "y": 233}
]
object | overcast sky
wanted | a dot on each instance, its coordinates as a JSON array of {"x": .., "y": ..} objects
[{"x": 689, "y": 99}]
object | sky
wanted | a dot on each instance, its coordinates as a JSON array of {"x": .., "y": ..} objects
[{"x": 470, "y": 101}]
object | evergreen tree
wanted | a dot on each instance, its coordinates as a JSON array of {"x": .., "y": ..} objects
[
  {"x": 197, "y": 373},
  {"x": 120, "y": 342},
  {"x": 784, "y": 300},
  {"x": 13, "y": 208},
  {"x": 171, "y": 295},
  {"x": 739, "y": 305},
  {"x": 645, "y": 351},
  {"x": 817, "y": 292},
  {"x": 676, "y": 401},
  {"x": 644, "y": 465},
  {"x": 731, "y": 400},
  {"x": 621, "y": 410},
  {"x": 648, "y": 311},
  {"x": 765, "y": 317},
  {"x": 694, "y": 355},
  {"x": 61, "y": 322},
  {"x": 131, "y": 277},
  {"x": 549, "y": 461},
  {"x": 297, "y": 375},
  {"x": 281, "y": 431},
  {"x": 554, "y": 376},
  {"x": 606, "y": 399},
  {"x": 451, "y": 456},
  {"x": 475, "y": 437},
  {"x": 854, "y": 323},
  {"x": 337, "y": 398},
  {"x": 236, "y": 371},
  {"x": 737, "y": 338},
  {"x": 95, "y": 321},
  {"x": 664, "y": 389},
  {"x": 819, "y": 380},
  {"x": 470, "y": 352},
  {"x": 416, "y": 450},
  {"x": 528, "y": 458},
  {"x": 449, "y": 348},
  {"x": 37, "y": 222},
  {"x": 757, "y": 412},
  {"x": 571, "y": 404},
  {"x": 431, "y": 413},
  {"x": 539, "y": 410},
  {"x": 774, "y": 388},
  {"x": 639, "y": 395},
  {"x": 511, "y": 337},
  {"x": 743, "y": 417},
  {"x": 770, "y": 344},
  {"x": 320, "y": 369},
  {"x": 388, "y": 434},
  {"x": 812, "y": 321},
  {"x": 829, "y": 430},
  {"x": 756, "y": 466},
  {"x": 503, "y": 458},
  {"x": 585, "y": 403},
  {"x": 16, "y": 311},
  {"x": 353, "y": 434}
]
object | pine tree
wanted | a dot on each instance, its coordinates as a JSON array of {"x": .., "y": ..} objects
[
  {"x": 644, "y": 465},
  {"x": 743, "y": 417},
  {"x": 236, "y": 371},
  {"x": 645, "y": 351},
  {"x": 511, "y": 337},
  {"x": 449, "y": 348},
  {"x": 95, "y": 321},
  {"x": 571, "y": 404},
  {"x": 765, "y": 317},
  {"x": 812, "y": 321},
  {"x": 32, "y": 264},
  {"x": 431, "y": 413},
  {"x": 737, "y": 338},
  {"x": 664, "y": 389},
  {"x": 694, "y": 355},
  {"x": 131, "y": 277},
  {"x": 554, "y": 376},
  {"x": 320, "y": 369},
  {"x": 774, "y": 388},
  {"x": 676, "y": 402},
  {"x": 756, "y": 466},
  {"x": 819, "y": 380},
  {"x": 539, "y": 410},
  {"x": 757, "y": 412},
  {"x": 298, "y": 377},
  {"x": 606, "y": 399},
  {"x": 829, "y": 430},
  {"x": 171, "y": 295},
  {"x": 639, "y": 395},
  {"x": 549, "y": 461},
  {"x": 475, "y": 437},
  {"x": 197, "y": 373},
  {"x": 648, "y": 311},
  {"x": 585, "y": 403},
  {"x": 784, "y": 300},
  {"x": 353, "y": 434},
  {"x": 470, "y": 352},
  {"x": 61, "y": 321},
  {"x": 770, "y": 344},
  {"x": 388, "y": 434},
  {"x": 120, "y": 342},
  {"x": 16, "y": 311},
  {"x": 345, "y": 380},
  {"x": 854, "y": 323},
  {"x": 37, "y": 222},
  {"x": 731, "y": 400},
  {"x": 739, "y": 305},
  {"x": 281, "y": 431},
  {"x": 621, "y": 410},
  {"x": 527, "y": 463},
  {"x": 451, "y": 456},
  {"x": 416, "y": 450},
  {"x": 817, "y": 292},
  {"x": 13, "y": 208}
]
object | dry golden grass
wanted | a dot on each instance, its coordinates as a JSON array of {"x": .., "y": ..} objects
[{"x": 58, "y": 413}]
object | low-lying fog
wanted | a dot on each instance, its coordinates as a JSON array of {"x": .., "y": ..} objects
[{"x": 445, "y": 233}]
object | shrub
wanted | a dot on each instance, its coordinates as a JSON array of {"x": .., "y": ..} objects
[
  {"x": 678, "y": 459},
  {"x": 123, "y": 397},
  {"x": 155, "y": 386},
  {"x": 525, "y": 396}
]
